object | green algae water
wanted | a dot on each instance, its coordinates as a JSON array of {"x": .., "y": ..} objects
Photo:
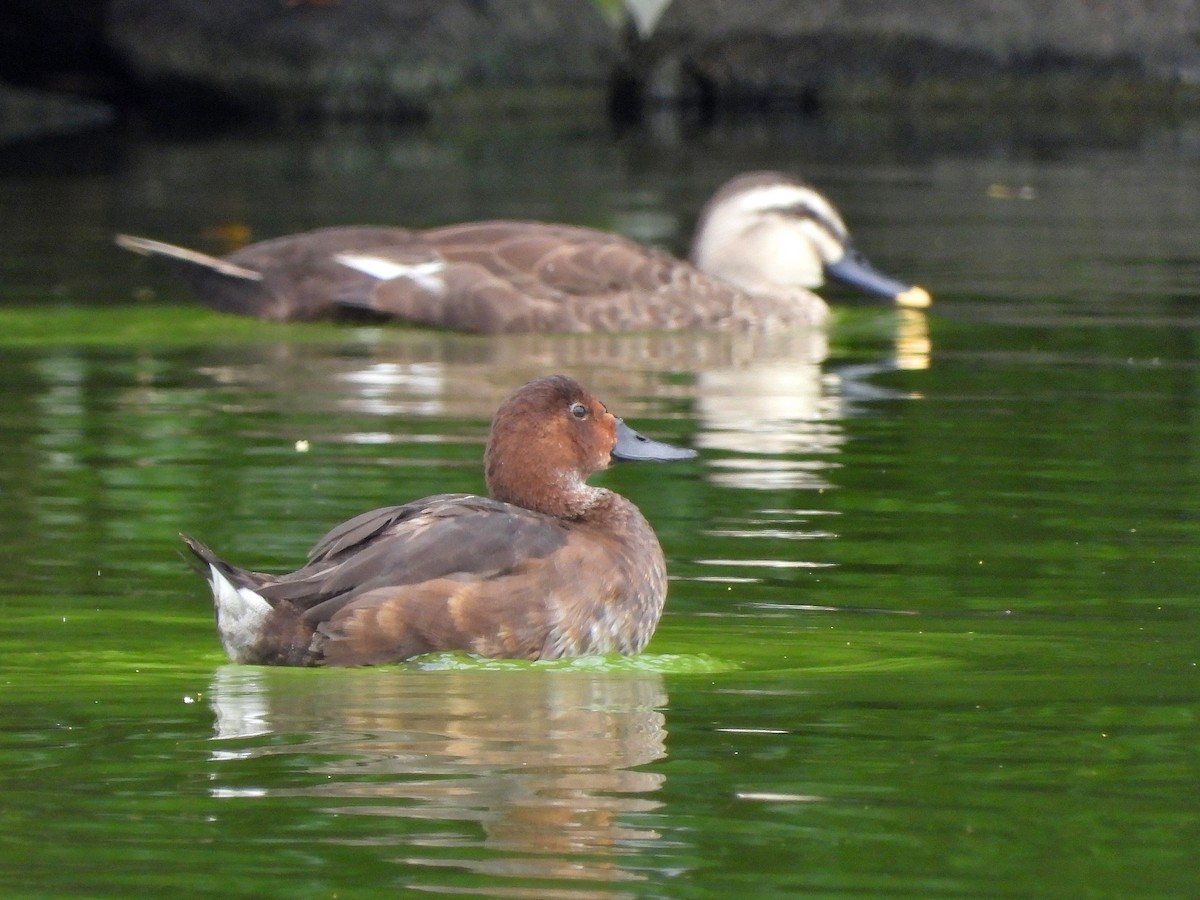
[{"x": 933, "y": 627}]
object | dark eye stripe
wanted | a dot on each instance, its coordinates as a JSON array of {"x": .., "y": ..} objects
[{"x": 804, "y": 211}]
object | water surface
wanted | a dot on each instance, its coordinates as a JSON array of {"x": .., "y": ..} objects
[{"x": 932, "y": 629}]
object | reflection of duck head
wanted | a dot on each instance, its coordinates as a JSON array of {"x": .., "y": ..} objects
[
  {"x": 783, "y": 418},
  {"x": 542, "y": 760}
]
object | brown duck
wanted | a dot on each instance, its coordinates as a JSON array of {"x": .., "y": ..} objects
[
  {"x": 762, "y": 243},
  {"x": 544, "y": 567}
]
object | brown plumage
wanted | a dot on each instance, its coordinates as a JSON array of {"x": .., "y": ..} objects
[
  {"x": 545, "y": 567},
  {"x": 763, "y": 241}
]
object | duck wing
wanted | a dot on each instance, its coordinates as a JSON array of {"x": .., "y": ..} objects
[
  {"x": 453, "y": 572},
  {"x": 302, "y": 273},
  {"x": 504, "y": 277},
  {"x": 559, "y": 260},
  {"x": 449, "y": 536}
]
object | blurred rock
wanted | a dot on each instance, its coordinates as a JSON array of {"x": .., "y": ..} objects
[
  {"x": 26, "y": 114},
  {"x": 780, "y": 52},
  {"x": 55, "y": 45},
  {"x": 356, "y": 57},
  {"x": 396, "y": 58}
]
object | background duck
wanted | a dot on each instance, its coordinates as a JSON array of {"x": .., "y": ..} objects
[
  {"x": 763, "y": 242},
  {"x": 544, "y": 567}
]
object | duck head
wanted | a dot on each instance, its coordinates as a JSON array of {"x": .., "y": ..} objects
[
  {"x": 769, "y": 233},
  {"x": 549, "y": 436}
]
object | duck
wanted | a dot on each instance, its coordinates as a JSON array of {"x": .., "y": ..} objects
[
  {"x": 763, "y": 242},
  {"x": 544, "y": 567}
]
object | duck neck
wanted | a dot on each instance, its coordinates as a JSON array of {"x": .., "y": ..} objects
[{"x": 564, "y": 496}]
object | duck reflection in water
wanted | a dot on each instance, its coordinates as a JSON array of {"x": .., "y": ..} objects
[
  {"x": 542, "y": 761},
  {"x": 758, "y": 398}
]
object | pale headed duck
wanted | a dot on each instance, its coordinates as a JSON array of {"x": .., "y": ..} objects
[{"x": 763, "y": 242}]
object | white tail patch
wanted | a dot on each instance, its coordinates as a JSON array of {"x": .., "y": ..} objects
[
  {"x": 241, "y": 616},
  {"x": 427, "y": 273}
]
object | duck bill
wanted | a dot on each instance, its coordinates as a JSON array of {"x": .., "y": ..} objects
[
  {"x": 854, "y": 270},
  {"x": 631, "y": 447}
]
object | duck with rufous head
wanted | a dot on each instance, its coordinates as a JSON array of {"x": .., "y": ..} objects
[{"x": 544, "y": 567}]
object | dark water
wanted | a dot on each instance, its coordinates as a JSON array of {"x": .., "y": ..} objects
[{"x": 933, "y": 628}]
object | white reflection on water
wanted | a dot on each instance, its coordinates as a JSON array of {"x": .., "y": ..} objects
[
  {"x": 768, "y": 412},
  {"x": 783, "y": 407},
  {"x": 766, "y": 524},
  {"x": 543, "y": 762},
  {"x": 768, "y": 406},
  {"x": 379, "y": 383}
]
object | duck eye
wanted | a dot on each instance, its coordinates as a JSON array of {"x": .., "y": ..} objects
[{"x": 578, "y": 410}]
